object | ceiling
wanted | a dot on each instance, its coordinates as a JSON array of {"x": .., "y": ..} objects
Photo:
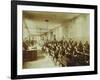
[
  {"x": 40, "y": 22},
  {"x": 50, "y": 16}
]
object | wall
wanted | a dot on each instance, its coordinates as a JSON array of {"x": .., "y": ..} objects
[
  {"x": 31, "y": 27},
  {"x": 77, "y": 28}
]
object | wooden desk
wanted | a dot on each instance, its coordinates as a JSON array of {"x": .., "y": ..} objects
[{"x": 29, "y": 55}]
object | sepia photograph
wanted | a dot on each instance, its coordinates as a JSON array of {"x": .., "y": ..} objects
[{"x": 55, "y": 39}]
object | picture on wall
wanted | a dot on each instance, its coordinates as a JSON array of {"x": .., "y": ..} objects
[{"x": 53, "y": 39}]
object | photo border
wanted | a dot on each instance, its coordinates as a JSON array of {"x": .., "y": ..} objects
[{"x": 14, "y": 35}]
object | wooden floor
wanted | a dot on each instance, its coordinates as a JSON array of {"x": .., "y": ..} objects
[{"x": 43, "y": 61}]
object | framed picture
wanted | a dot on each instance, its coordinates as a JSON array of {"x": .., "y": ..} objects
[{"x": 53, "y": 39}]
